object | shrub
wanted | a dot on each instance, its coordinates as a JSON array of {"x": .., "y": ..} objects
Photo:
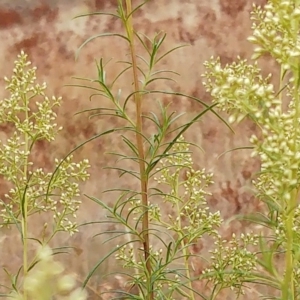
[{"x": 162, "y": 165}]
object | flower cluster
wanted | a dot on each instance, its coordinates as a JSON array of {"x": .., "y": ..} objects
[
  {"x": 56, "y": 191},
  {"x": 126, "y": 254},
  {"x": 232, "y": 264},
  {"x": 279, "y": 153},
  {"x": 239, "y": 88},
  {"x": 275, "y": 31},
  {"x": 136, "y": 209},
  {"x": 186, "y": 191},
  {"x": 130, "y": 258},
  {"x": 188, "y": 195},
  {"x": 37, "y": 122},
  {"x": 47, "y": 279},
  {"x": 280, "y": 230}
]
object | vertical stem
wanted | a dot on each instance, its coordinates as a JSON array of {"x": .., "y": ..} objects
[
  {"x": 280, "y": 98},
  {"x": 288, "y": 289},
  {"x": 288, "y": 283},
  {"x": 139, "y": 141},
  {"x": 24, "y": 206},
  {"x": 183, "y": 245},
  {"x": 25, "y": 247}
]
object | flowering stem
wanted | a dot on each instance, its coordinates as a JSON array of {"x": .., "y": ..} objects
[
  {"x": 288, "y": 283},
  {"x": 139, "y": 140},
  {"x": 288, "y": 291},
  {"x": 184, "y": 248},
  {"x": 288, "y": 278},
  {"x": 24, "y": 204}
]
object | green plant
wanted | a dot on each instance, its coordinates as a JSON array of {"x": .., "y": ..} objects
[
  {"x": 241, "y": 89},
  {"x": 33, "y": 191},
  {"x": 47, "y": 280},
  {"x": 157, "y": 254},
  {"x": 165, "y": 272}
]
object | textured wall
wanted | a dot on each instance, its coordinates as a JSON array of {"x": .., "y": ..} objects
[{"x": 45, "y": 30}]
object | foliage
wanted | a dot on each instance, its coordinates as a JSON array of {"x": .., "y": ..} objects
[
  {"x": 34, "y": 191},
  {"x": 166, "y": 272},
  {"x": 156, "y": 251},
  {"x": 240, "y": 89}
]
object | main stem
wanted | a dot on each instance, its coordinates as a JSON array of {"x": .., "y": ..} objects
[
  {"x": 288, "y": 288},
  {"x": 24, "y": 206},
  {"x": 185, "y": 249},
  {"x": 139, "y": 141}
]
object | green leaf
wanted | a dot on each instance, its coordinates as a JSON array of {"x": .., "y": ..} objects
[
  {"x": 72, "y": 151},
  {"x": 136, "y": 9},
  {"x": 267, "y": 253},
  {"x": 170, "y": 51},
  {"x": 171, "y": 144},
  {"x": 94, "y": 269},
  {"x": 234, "y": 149},
  {"x": 96, "y": 14},
  {"x": 159, "y": 78},
  {"x": 209, "y": 107},
  {"x": 97, "y": 36}
]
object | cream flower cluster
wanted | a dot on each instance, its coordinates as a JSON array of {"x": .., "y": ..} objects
[
  {"x": 232, "y": 264},
  {"x": 275, "y": 31},
  {"x": 189, "y": 194},
  {"x": 47, "y": 279},
  {"x": 239, "y": 89},
  {"x": 31, "y": 113}
]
